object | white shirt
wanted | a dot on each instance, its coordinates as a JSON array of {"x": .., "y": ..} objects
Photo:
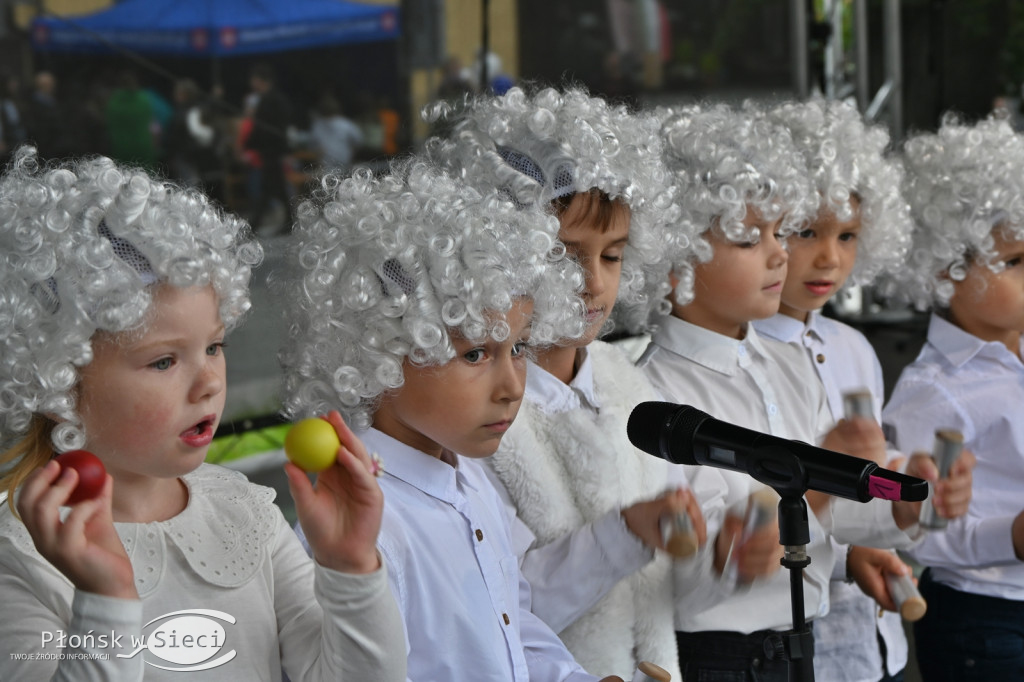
[
  {"x": 568, "y": 462},
  {"x": 845, "y": 644},
  {"x": 605, "y": 551},
  {"x": 229, "y": 551},
  {"x": 961, "y": 382},
  {"x": 446, "y": 541},
  {"x": 337, "y": 139},
  {"x": 554, "y": 396},
  {"x": 766, "y": 386},
  {"x": 842, "y": 357}
]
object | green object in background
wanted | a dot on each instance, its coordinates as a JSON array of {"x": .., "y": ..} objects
[{"x": 236, "y": 446}]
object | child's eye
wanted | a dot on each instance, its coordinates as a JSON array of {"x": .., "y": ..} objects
[
  {"x": 804, "y": 234},
  {"x": 215, "y": 349},
  {"x": 474, "y": 355},
  {"x": 612, "y": 258},
  {"x": 519, "y": 348},
  {"x": 847, "y": 236},
  {"x": 1013, "y": 262},
  {"x": 162, "y": 364}
]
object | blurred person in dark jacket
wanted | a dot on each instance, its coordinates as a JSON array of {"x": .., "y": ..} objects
[
  {"x": 191, "y": 138},
  {"x": 12, "y": 116},
  {"x": 47, "y": 124},
  {"x": 269, "y": 138}
]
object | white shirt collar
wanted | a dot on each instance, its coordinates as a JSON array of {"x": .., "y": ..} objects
[
  {"x": 712, "y": 350},
  {"x": 435, "y": 477},
  {"x": 784, "y": 328},
  {"x": 959, "y": 346},
  {"x": 552, "y": 395},
  {"x": 789, "y": 330}
]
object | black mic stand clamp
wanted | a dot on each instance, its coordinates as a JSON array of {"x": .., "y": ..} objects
[{"x": 783, "y": 471}]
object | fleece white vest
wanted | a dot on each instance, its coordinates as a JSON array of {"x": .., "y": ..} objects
[{"x": 567, "y": 469}]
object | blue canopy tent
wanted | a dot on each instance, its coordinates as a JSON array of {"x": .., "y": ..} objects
[{"x": 216, "y": 28}]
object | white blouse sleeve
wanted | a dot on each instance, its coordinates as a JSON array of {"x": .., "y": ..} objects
[
  {"x": 334, "y": 626},
  {"x": 52, "y": 632}
]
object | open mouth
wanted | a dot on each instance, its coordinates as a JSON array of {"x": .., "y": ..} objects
[{"x": 201, "y": 433}]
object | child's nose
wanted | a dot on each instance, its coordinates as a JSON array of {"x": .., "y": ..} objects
[
  {"x": 208, "y": 382},
  {"x": 595, "y": 280},
  {"x": 511, "y": 383},
  {"x": 778, "y": 255},
  {"x": 827, "y": 255}
]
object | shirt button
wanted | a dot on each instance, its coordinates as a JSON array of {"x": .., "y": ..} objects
[
  {"x": 773, "y": 410},
  {"x": 479, "y": 535},
  {"x": 507, "y": 621},
  {"x": 820, "y": 358}
]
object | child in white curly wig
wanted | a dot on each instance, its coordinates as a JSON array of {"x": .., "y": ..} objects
[
  {"x": 117, "y": 292},
  {"x": 546, "y": 147},
  {"x": 566, "y": 467},
  {"x": 417, "y": 299},
  {"x": 861, "y": 231},
  {"x": 965, "y": 185},
  {"x": 862, "y": 227},
  {"x": 746, "y": 186}
]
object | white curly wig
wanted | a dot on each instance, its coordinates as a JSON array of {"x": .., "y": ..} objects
[
  {"x": 724, "y": 160},
  {"x": 961, "y": 182},
  {"x": 549, "y": 144},
  {"x": 847, "y": 158},
  {"x": 81, "y": 246},
  {"x": 385, "y": 268}
]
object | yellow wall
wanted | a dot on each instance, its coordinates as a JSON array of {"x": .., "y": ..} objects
[
  {"x": 25, "y": 11},
  {"x": 463, "y": 32}
]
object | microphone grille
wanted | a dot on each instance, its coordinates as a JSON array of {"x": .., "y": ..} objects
[
  {"x": 665, "y": 430},
  {"x": 645, "y": 424}
]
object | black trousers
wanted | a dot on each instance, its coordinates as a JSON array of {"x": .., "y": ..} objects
[
  {"x": 716, "y": 656},
  {"x": 966, "y": 637}
]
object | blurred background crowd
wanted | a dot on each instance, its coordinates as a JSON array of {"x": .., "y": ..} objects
[{"x": 251, "y": 99}]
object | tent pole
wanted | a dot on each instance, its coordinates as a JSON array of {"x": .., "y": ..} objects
[
  {"x": 485, "y": 46},
  {"x": 798, "y": 47}
]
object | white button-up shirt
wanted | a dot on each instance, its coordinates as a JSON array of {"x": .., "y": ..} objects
[
  {"x": 846, "y": 648},
  {"x": 604, "y": 551},
  {"x": 961, "y": 382},
  {"x": 843, "y": 359},
  {"x": 767, "y": 386},
  {"x": 465, "y": 606}
]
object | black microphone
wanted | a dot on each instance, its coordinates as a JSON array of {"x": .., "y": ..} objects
[{"x": 685, "y": 435}]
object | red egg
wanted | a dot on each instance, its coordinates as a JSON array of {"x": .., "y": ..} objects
[{"x": 91, "y": 474}]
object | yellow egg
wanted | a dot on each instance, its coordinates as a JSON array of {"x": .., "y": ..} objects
[{"x": 312, "y": 444}]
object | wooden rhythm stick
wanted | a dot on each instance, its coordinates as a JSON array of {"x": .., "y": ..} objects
[{"x": 648, "y": 672}]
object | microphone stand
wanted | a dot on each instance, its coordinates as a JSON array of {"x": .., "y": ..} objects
[{"x": 783, "y": 471}]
